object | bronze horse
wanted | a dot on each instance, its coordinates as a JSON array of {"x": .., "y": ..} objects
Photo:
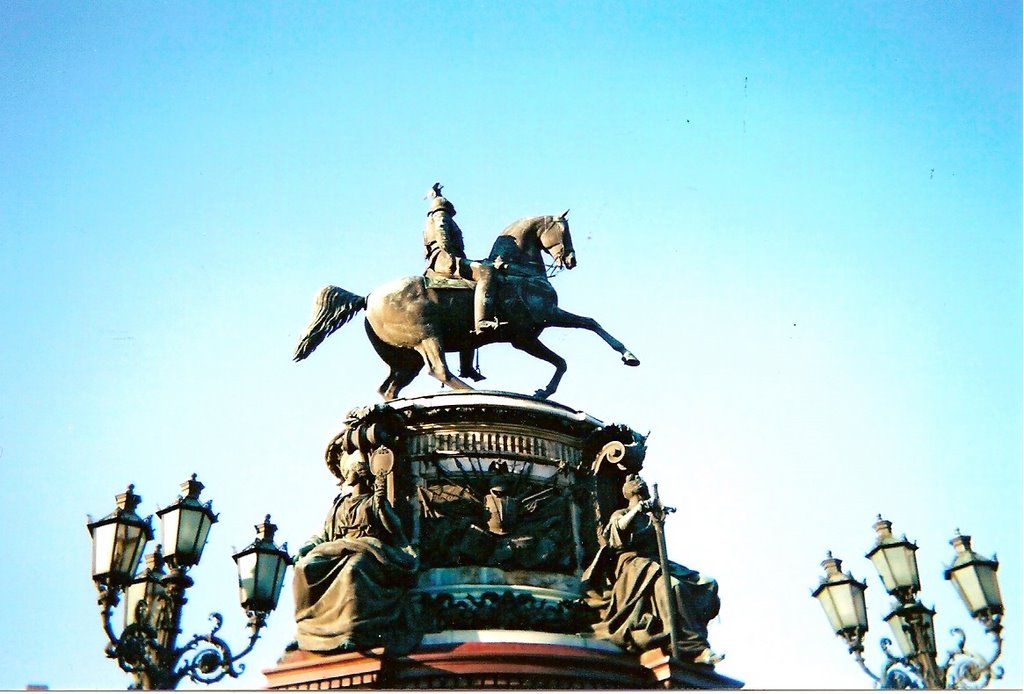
[{"x": 413, "y": 321}]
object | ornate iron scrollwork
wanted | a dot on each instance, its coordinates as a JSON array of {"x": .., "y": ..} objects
[{"x": 145, "y": 650}]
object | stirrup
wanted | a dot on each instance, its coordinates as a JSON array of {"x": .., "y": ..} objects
[
  {"x": 709, "y": 657},
  {"x": 472, "y": 374}
]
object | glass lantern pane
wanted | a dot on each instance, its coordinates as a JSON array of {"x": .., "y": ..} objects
[
  {"x": 926, "y": 633},
  {"x": 881, "y": 562},
  {"x": 860, "y": 608},
  {"x": 978, "y": 587},
  {"x": 904, "y": 566},
  {"x": 270, "y": 578},
  {"x": 135, "y": 594},
  {"x": 831, "y": 611},
  {"x": 900, "y": 635},
  {"x": 969, "y": 587},
  {"x": 281, "y": 566},
  {"x": 169, "y": 531},
  {"x": 897, "y": 567},
  {"x": 102, "y": 548},
  {"x": 264, "y": 577},
  {"x": 990, "y": 586},
  {"x": 190, "y": 526},
  {"x": 246, "y": 577},
  {"x": 850, "y": 602},
  {"x": 128, "y": 548},
  {"x": 203, "y": 534},
  {"x": 844, "y": 606}
]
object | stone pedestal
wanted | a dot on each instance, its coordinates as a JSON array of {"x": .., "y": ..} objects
[{"x": 494, "y": 660}]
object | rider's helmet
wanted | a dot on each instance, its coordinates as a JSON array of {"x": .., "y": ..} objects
[{"x": 440, "y": 204}]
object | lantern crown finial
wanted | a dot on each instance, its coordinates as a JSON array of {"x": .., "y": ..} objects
[
  {"x": 832, "y": 565},
  {"x": 155, "y": 560},
  {"x": 961, "y": 543},
  {"x": 192, "y": 487},
  {"x": 128, "y": 501},
  {"x": 265, "y": 530}
]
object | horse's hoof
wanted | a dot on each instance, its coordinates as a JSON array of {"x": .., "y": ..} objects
[
  {"x": 541, "y": 394},
  {"x": 629, "y": 360}
]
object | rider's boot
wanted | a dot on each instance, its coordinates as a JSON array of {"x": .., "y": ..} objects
[
  {"x": 466, "y": 368},
  {"x": 482, "y": 300}
]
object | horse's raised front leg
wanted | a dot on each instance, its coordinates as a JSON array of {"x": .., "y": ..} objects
[
  {"x": 537, "y": 349},
  {"x": 433, "y": 356},
  {"x": 564, "y": 319}
]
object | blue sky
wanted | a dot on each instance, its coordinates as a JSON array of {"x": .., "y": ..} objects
[{"x": 804, "y": 218}]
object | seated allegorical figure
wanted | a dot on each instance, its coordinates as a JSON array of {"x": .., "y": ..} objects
[
  {"x": 351, "y": 581},
  {"x": 626, "y": 582}
]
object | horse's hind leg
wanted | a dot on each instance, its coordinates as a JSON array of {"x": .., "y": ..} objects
[
  {"x": 398, "y": 378},
  {"x": 433, "y": 357},
  {"x": 404, "y": 364},
  {"x": 563, "y": 319}
]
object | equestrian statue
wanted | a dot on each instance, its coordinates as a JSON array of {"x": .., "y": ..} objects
[{"x": 459, "y": 305}]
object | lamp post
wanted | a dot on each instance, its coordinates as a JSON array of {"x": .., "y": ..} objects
[
  {"x": 147, "y": 647},
  {"x": 912, "y": 624}
]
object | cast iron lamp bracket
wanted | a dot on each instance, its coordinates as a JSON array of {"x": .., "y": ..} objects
[
  {"x": 974, "y": 577},
  {"x": 147, "y": 646}
]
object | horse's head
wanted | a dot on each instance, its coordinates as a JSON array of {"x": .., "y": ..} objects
[{"x": 555, "y": 240}]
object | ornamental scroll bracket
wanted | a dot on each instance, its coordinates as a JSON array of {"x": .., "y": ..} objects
[
  {"x": 366, "y": 431},
  {"x": 617, "y": 449}
]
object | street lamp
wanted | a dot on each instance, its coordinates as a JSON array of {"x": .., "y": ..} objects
[
  {"x": 912, "y": 624},
  {"x": 147, "y": 646}
]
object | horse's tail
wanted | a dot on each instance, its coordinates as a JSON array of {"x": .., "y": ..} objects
[{"x": 333, "y": 308}]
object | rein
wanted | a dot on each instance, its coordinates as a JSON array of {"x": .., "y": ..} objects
[{"x": 553, "y": 268}]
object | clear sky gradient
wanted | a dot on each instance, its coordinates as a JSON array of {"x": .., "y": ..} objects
[{"x": 803, "y": 217}]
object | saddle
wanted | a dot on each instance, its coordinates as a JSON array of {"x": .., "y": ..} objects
[{"x": 431, "y": 281}]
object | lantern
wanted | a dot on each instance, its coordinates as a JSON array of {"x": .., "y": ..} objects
[
  {"x": 261, "y": 569},
  {"x": 896, "y": 562},
  {"x": 975, "y": 579},
  {"x": 148, "y": 589},
  {"x": 118, "y": 541},
  {"x": 913, "y": 629},
  {"x": 842, "y": 598},
  {"x": 185, "y": 526}
]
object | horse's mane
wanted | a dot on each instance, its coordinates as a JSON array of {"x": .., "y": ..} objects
[
  {"x": 519, "y": 245},
  {"x": 520, "y": 226}
]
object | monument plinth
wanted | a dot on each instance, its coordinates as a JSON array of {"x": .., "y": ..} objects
[{"x": 504, "y": 503}]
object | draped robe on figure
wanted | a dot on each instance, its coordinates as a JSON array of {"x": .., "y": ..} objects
[
  {"x": 627, "y": 580},
  {"x": 350, "y": 588}
]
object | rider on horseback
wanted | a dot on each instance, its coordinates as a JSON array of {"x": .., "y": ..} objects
[{"x": 446, "y": 257}]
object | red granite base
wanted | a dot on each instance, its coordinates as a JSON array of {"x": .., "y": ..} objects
[{"x": 478, "y": 665}]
